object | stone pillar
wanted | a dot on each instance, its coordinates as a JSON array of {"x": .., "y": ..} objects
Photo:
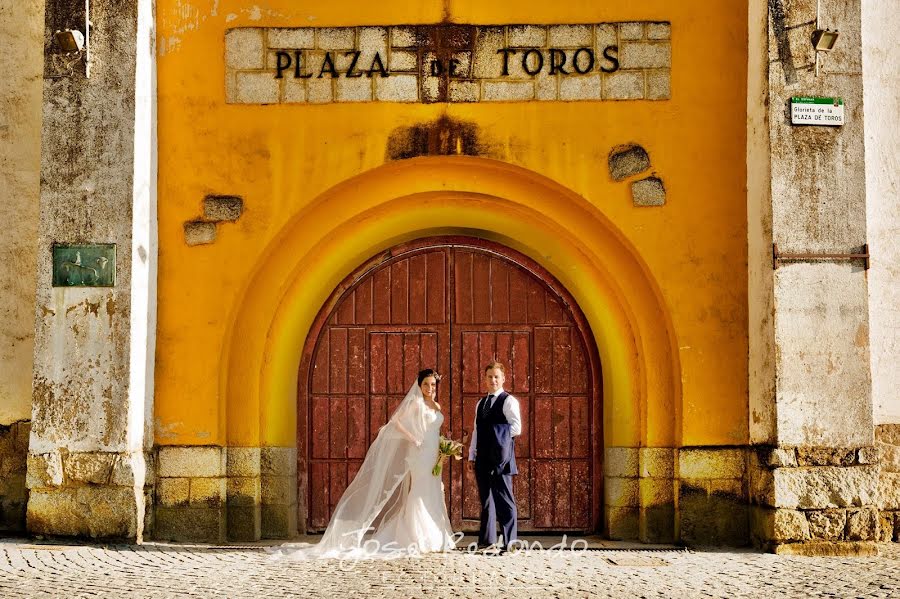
[
  {"x": 89, "y": 467},
  {"x": 812, "y": 473}
]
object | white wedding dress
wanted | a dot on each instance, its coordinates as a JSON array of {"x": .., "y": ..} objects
[{"x": 394, "y": 506}]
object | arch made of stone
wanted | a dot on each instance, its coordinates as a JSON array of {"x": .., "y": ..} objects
[{"x": 422, "y": 197}]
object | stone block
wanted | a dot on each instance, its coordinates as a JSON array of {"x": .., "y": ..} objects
[
  {"x": 585, "y": 87},
  {"x": 888, "y": 434},
  {"x": 711, "y": 463},
  {"x": 762, "y": 486},
  {"x": 659, "y": 86},
  {"x": 201, "y": 525},
  {"x": 781, "y": 457},
  {"x": 336, "y": 38},
  {"x": 172, "y": 492},
  {"x": 244, "y": 48},
  {"x": 648, "y": 192},
  {"x": 712, "y": 519},
  {"x": 623, "y": 85},
  {"x": 88, "y": 511},
  {"x": 372, "y": 40},
  {"x": 244, "y": 491},
  {"x": 868, "y": 455},
  {"x": 320, "y": 91},
  {"x": 631, "y": 31},
  {"x": 93, "y": 468},
  {"x": 825, "y": 487},
  {"x": 546, "y": 87},
  {"x": 291, "y": 38},
  {"x": 397, "y": 88},
  {"x": 293, "y": 91},
  {"x": 621, "y": 461},
  {"x": 727, "y": 487},
  {"x": 658, "y": 524},
  {"x": 889, "y": 456},
  {"x": 621, "y": 492},
  {"x": 570, "y": 36},
  {"x": 503, "y": 91},
  {"x": 825, "y": 456},
  {"x": 278, "y": 461},
  {"x": 403, "y": 60},
  {"x": 645, "y": 56},
  {"x": 487, "y": 63},
  {"x": 782, "y": 526},
  {"x": 243, "y": 461},
  {"x": 44, "y": 470},
  {"x": 626, "y": 161},
  {"x": 464, "y": 91},
  {"x": 403, "y": 37},
  {"x": 278, "y": 490},
  {"x": 244, "y": 523},
  {"x": 278, "y": 521},
  {"x": 191, "y": 461},
  {"x": 527, "y": 36},
  {"x": 828, "y": 549},
  {"x": 863, "y": 525},
  {"x": 659, "y": 31},
  {"x": 827, "y": 525},
  {"x": 657, "y": 462},
  {"x": 256, "y": 88},
  {"x": 198, "y": 232},
  {"x": 357, "y": 89},
  {"x": 886, "y": 530},
  {"x": 889, "y": 490},
  {"x": 207, "y": 492},
  {"x": 222, "y": 208},
  {"x": 656, "y": 491},
  {"x": 623, "y": 524},
  {"x": 606, "y": 35}
]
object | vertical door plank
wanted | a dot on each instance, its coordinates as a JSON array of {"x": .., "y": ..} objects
[
  {"x": 499, "y": 291},
  {"x": 543, "y": 360},
  {"x": 562, "y": 361},
  {"x": 357, "y": 435},
  {"x": 338, "y": 429},
  {"x": 542, "y": 496},
  {"x": 356, "y": 361},
  {"x": 395, "y": 383},
  {"x": 462, "y": 289},
  {"x": 418, "y": 285},
  {"x": 435, "y": 288},
  {"x": 543, "y": 427},
  {"x": 320, "y": 422},
  {"x": 400, "y": 292},
  {"x": 481, "y": 289},
  {"x": 319, "y": 485},
  {"x": 378, "y": 363},
  {"x": 321, "y": 364},
  {"x": 338, "y": 374},
  {"x": 381, "y": 296},
  {"x": 363, "y": 303}
]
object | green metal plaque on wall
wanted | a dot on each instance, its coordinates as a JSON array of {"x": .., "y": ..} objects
[{"x": 91, "y": 265}]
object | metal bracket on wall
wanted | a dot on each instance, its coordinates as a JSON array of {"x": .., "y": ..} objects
[{"x": 778, "y": 258}]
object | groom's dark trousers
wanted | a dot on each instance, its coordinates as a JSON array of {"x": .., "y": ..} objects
[{"x": 495, "y": 465}]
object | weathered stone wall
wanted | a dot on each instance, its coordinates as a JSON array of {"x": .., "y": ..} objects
[
  {"x": 88, "y": 460},
  {"x": 881, "y": 75},
  {"x": 207, "y": 493},
  {"x": 815, "y": 500},
  {"x": 813, "y": 477},
  {"x": 606, "y": 61}
]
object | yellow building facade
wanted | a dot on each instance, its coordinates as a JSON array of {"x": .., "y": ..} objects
[{"x": 663, "y": 287}]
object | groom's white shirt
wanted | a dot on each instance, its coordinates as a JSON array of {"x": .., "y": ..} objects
[{"x": 510, "y": 410}]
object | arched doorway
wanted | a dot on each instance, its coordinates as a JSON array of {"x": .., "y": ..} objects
[{"x": 457, "y": 303}]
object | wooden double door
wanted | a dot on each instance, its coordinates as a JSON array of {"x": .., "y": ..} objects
[{"x": 454, "y": 304}]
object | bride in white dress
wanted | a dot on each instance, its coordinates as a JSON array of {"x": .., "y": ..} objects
[{"x": 394, "y": 505}]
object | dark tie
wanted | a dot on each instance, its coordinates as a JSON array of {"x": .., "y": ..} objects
[{"x": 488, "y": 403}]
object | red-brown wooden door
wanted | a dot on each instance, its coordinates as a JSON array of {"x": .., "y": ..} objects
[{"x": 455, "y": 304}]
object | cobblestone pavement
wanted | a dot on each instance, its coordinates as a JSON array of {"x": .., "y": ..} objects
[{"x": 37, "y": 569}]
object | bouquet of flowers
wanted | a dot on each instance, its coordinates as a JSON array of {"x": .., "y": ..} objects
[{"x": 447, "y": 448}]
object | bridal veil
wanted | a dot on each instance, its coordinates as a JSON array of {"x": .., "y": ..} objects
[{"x": 375, "y": 494}]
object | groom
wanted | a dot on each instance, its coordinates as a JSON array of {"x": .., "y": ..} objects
[{"x": 497, "y": 422}]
